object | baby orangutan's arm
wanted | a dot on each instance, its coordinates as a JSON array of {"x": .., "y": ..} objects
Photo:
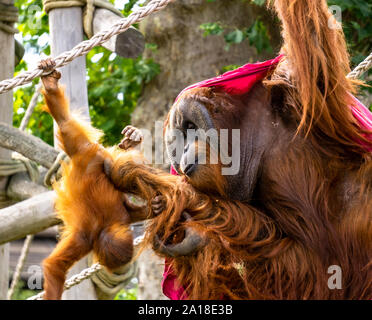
[{"x": 72, "y": 136}]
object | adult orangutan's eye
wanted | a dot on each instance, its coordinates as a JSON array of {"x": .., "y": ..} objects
[{"x": 189, "y": 125}]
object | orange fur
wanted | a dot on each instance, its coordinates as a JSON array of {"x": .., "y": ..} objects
[{"x": 92, "y": 210}]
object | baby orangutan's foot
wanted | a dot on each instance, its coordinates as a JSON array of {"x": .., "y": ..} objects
[
  {"x": 157, "y": 205},
  {"x": 50, "y": 81},
  {"x": 132, "y": 137}
]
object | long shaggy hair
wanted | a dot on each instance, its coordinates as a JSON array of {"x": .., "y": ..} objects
[
  {"x": 250, "y": 255},
  {"x": 313, "y": 77}
]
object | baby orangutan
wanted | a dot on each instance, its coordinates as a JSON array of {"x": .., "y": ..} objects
[{"x": 96, "y": 215}]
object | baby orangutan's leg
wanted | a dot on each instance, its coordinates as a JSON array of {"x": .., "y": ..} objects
[
  {"x": 114, "y": 247},
  {"x": 68, "y": 251}
]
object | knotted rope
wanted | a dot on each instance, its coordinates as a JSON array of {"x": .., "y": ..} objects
[
  {"x": 74, "y": 280},
  {"x": 18, "y": 163},
  {"x": 88, "y": 11},
  {"x": 85, "y": 46},
  {"x": 8, "y": 16},
  {"x": 55, "y": 172}
]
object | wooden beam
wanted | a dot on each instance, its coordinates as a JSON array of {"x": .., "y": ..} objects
[
  {"x": 129, "y": 44},
  {"x": 21, "y": 187},
  {"x": 28, "y": 145},
  {"x": 28, "y": 217},
  {"x": 66, "y": 31}
]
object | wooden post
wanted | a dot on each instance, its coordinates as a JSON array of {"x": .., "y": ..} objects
[
  {"x": 6, "y": 115},
  {"x": 66, "y": 31},
  {"x": 28, "y": 217},
  {"x": 128, "y": 44}
]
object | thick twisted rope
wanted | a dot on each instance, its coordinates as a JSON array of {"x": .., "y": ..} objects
[
  {"x": 84, "y": 47},
  {"x": 83, "y": 275},
  {"x": 54, "y": 172},
  {"x": 74, "y": 280},
  {"x": 8, "y": 16},
  {"x": 361, "y": 68}
]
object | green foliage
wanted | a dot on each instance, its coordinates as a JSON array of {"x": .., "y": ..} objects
[
  {"x": 259, "y": 2},
  {"x": 258, "y": 37},
  {"x": 33, "y": 25},
  {"x": 127, "y": 294},
  {"x": 230, "y": 67},
  {"x": 114, "y": 83},
  {"x": 129, "y": 6},
  {"x": 357, "y": 25},
  {"x": 41, "y": 124},
  {"x": 257, "y": 34},
  {"x": 211, "y": 28},
  {"x": 20, "y": 293},
  {"x": 114, "y": 87}
]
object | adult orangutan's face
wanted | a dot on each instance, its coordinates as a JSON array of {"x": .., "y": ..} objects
[{"x": 217, "y": 142}]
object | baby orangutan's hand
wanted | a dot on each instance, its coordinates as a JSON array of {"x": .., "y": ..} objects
[
  {"x": 132, "y": 137},
  {"x": 50, "y": 81}
]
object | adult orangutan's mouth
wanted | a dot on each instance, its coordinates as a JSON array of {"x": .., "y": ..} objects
[{"x": 190, "y": 168}]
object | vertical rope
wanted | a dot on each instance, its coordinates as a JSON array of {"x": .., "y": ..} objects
[
  {"x": 20, "y": 264},
  {"x": 31, "y": 107}
]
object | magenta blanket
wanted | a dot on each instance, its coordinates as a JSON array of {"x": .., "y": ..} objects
[
  {"x": 241, "y": 80},
  {"x": 237, "y": 82},
  {"x": 364, "y": 117}
]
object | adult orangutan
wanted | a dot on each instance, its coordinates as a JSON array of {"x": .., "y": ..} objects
[{"x": 303, "y": 192}]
